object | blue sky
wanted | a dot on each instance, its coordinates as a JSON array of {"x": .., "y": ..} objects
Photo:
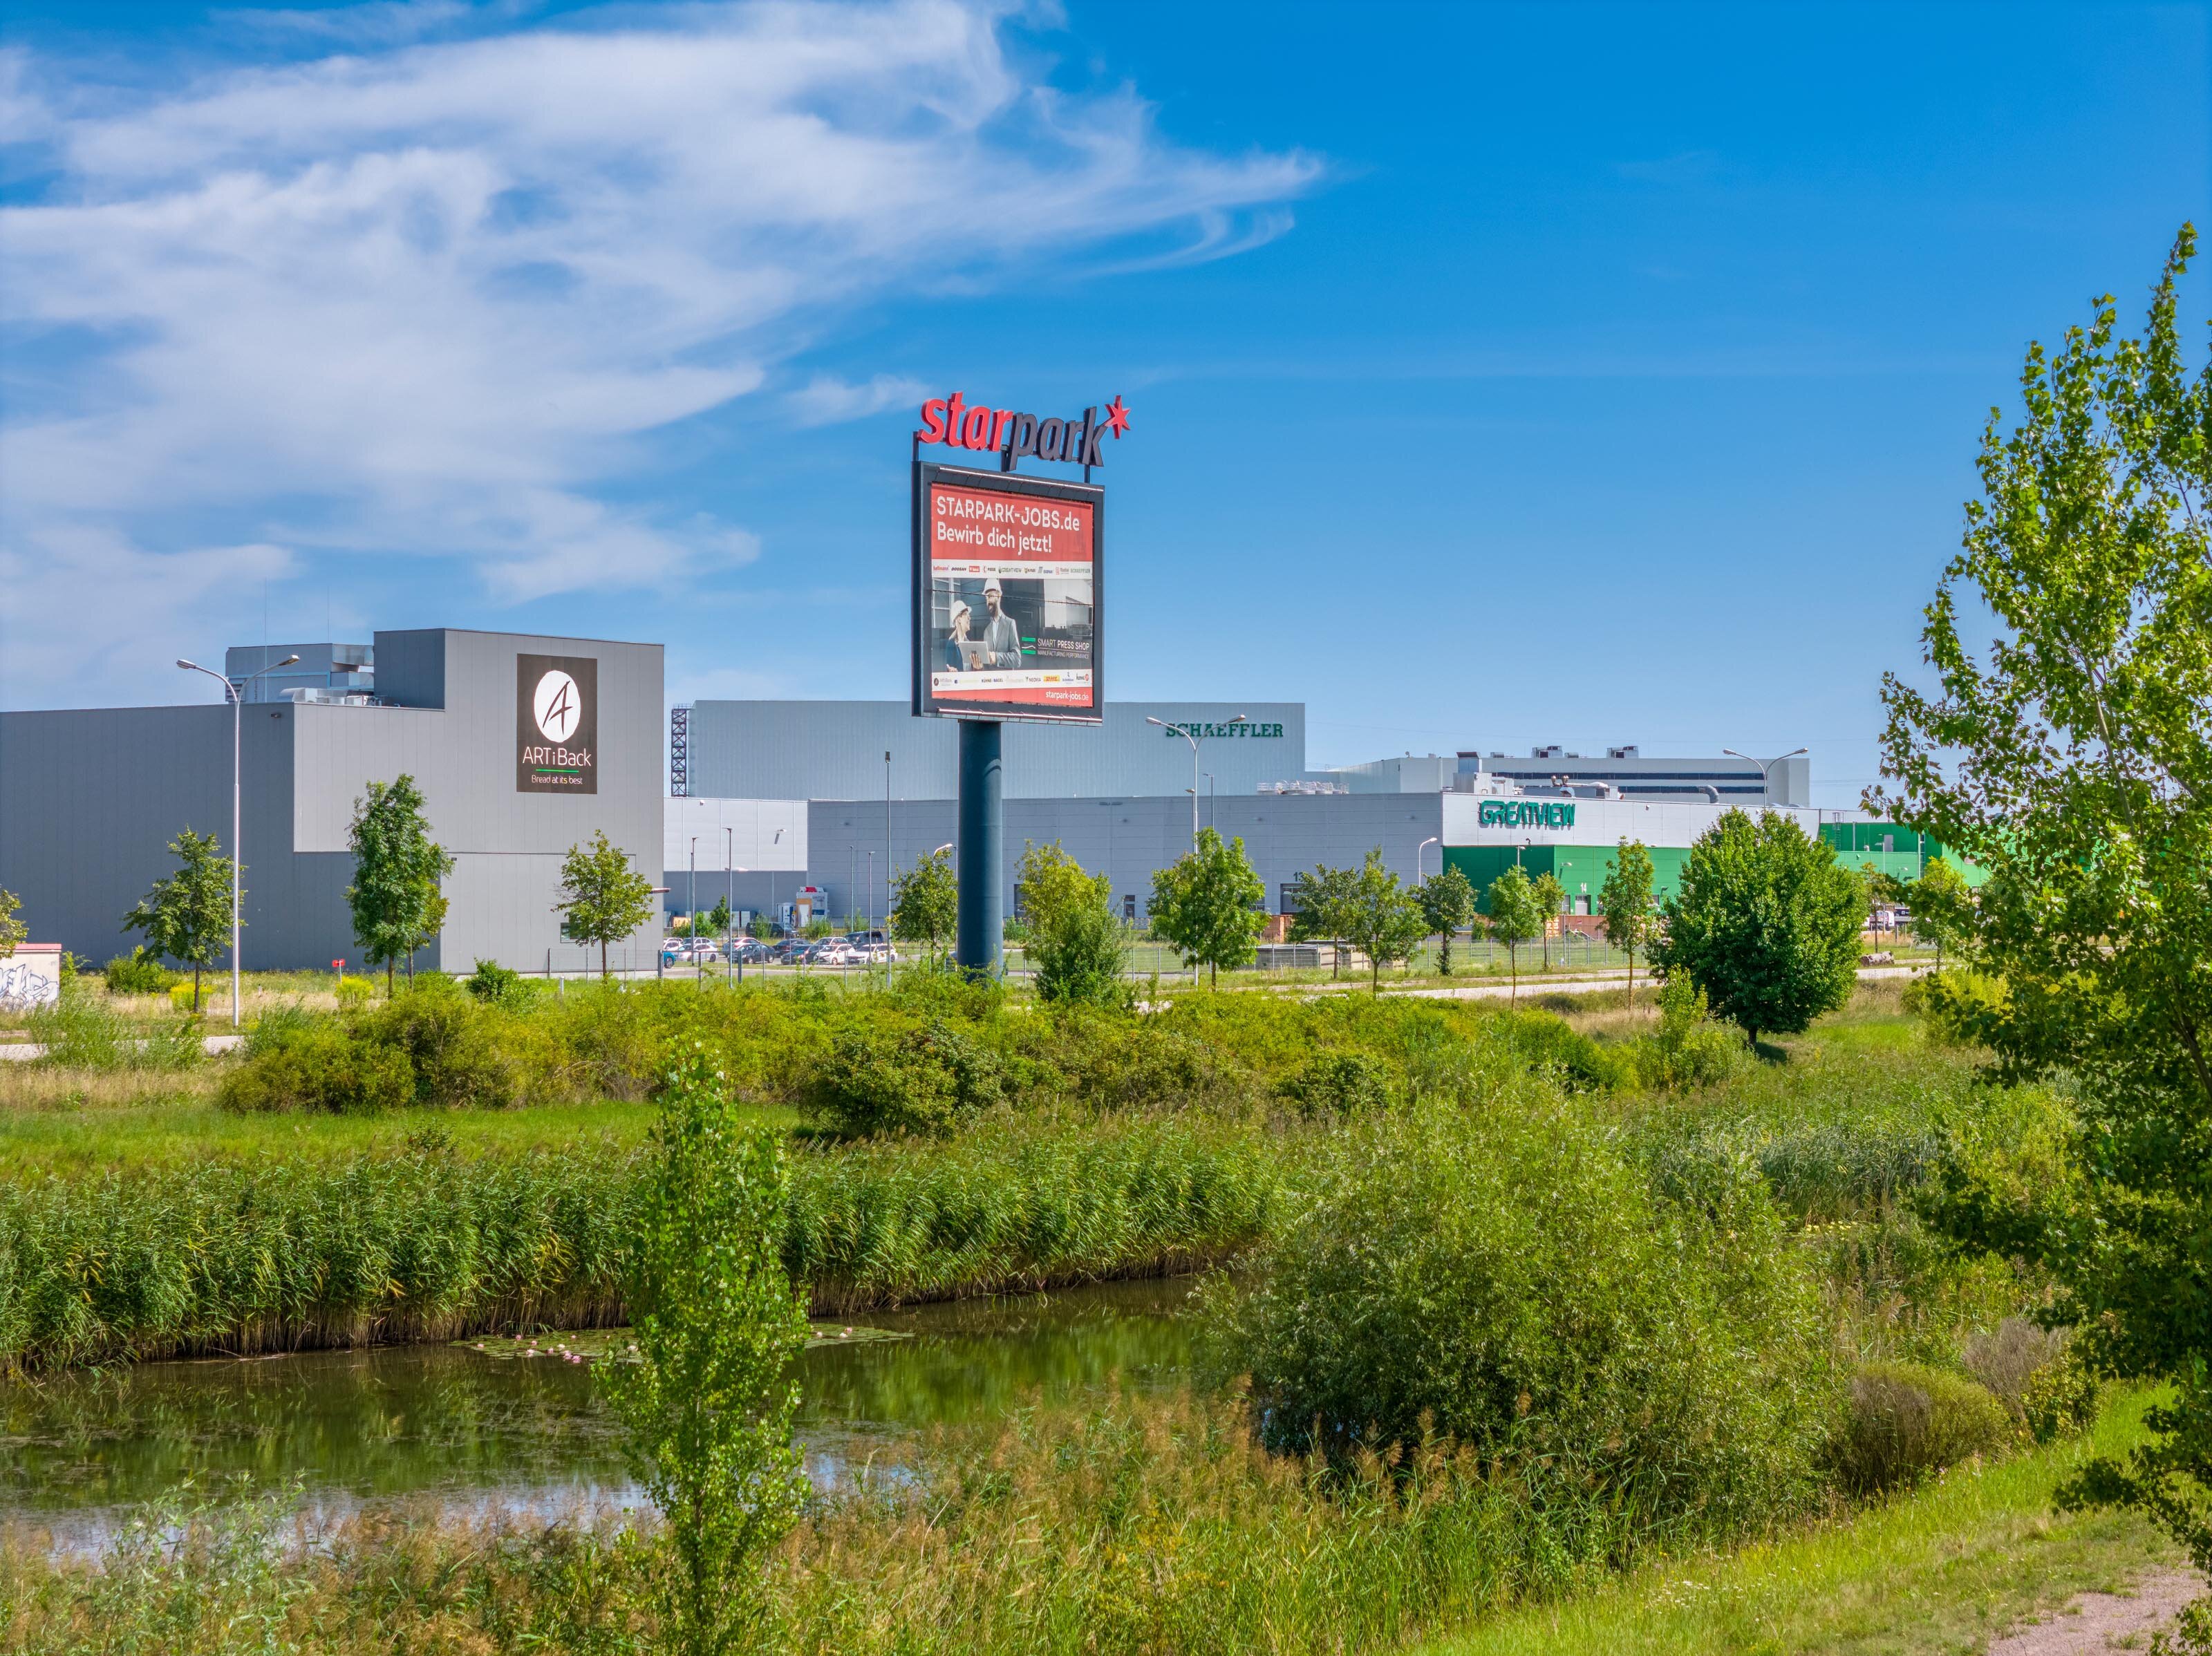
[{"x": 1497, "y": 375}]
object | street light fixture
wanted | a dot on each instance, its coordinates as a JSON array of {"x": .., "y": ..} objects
[
  {"x": 1184, "y": 731},
  {"x": 1766, "y": 768},
  {"x": 237, "y": 694},
  {"x": 1423, "y": 845}
]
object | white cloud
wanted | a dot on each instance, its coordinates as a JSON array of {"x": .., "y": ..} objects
[
  {"x": 381, "y": 22},
  {"x": 825, "y": 400},
  {"x": 439, "y": 297}
]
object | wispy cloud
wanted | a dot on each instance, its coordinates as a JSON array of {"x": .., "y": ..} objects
[
  {"x": 825, "y": 400},
  {"x": 440, "y": 297},
  {"x": 379, "y": 23}
]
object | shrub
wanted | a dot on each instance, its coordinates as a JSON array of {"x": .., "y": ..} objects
[
  {"x": 353, "y": 993},
  {"x": 138, "y": 973},
  {"x": 454, "y": 1048},
  {"x": 181, "y": 997},
  {"x": 2060, "y": 1398},
  {"x": 1906, "y": 1421},
  {"x": 1337, "y": 1083},
  {"x": 2007, "y": 1358},
  {"x": 1509, "y": 1279},
  {"x": 492, "y": 981},
  {"x": 921, "y": 1082},
  {"x": 1958, "y": 1008},
  {"x": 1691, "y": 1048},
  {"x": 297, "y": 1062}
]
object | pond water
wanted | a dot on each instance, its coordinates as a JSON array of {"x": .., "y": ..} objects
[{"x": 480, "y": 1434}]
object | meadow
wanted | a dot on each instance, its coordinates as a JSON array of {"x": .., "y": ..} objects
[{"x": 948, "y": 1141}]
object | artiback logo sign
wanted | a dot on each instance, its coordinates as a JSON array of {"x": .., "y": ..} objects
[
  {"x": 1014, "y": 435},
  {"x": 556, "y": 725}
]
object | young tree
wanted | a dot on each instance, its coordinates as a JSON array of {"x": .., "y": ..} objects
[
  {"x": 187, "y": 915},
  {"x": 1767, "y": 923},
  {"x": 716, "y": 1325},
  {"x": 1447, "y": 900},
  {"x": 2070, "y": 757},
  {"x": 1942, "y": 907},
  {"x": 602, "y": 897},
  {"x": 716, "y": 920},
  {"x": 1076, "y": 940},
  {"x": 1625, "y": 896},
  {"x": 396, "y": 905},
  {"x": 926, "y": 903},
  {"x": 1381, "y": 918},
  {"x": 1516, "y": 915},
  {"x": 1207, "y": 905},
  {"x": 12, "y": 930},
  {"x": 1321, "y": 909},
  {"x": 1552, "y": 898}
]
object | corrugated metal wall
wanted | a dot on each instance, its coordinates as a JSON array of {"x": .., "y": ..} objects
[{"x": 835, "y": 750}]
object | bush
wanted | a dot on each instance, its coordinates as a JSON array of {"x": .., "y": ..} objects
[
  {"x": 2060, "y": 1398},
  {"x": 1508, "y": 1279},
  {"x": 1906, "y": 1421},
  {"x": 495, "y": 982},
  {"x": 181, "y": 997},
  {"x": 2005, "y": 1359},
  {"x": 453, "y": 1047},
  {"x": 1337, "y": 1083},
  {"x": 921, "y": 1082},
  {"x": 138, "y": 973},
  {"x": 1691, "y": 1048},
  {"x": 83, "y": 1033},
  {"x": 293, "y": 1061},
  {"x": 353, "y": 993},
  {"x": 1958, "y": 1008}
]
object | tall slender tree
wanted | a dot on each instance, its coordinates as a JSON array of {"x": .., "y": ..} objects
[
  {"x": 186, "y": 916},
  {"x": 1627, "y": 898},
  {"x": 396, "y": 904},
  {"x": 1320, "y": 906},
  {"x": 1448, "y": 907},
  {"x": 1206, "y": 904},
  {"x": 1551, "y": 899},
  {"x": 1517, "y": 916},
  {"x": 2066, "y": 754},
  {"x": 1381, "y": 918},
  {"x": 602, "y": 897},
  {"x": 926, "y": 903}
]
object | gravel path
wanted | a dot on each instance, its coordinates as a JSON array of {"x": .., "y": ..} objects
[{"x": 2103, "y": 1622}]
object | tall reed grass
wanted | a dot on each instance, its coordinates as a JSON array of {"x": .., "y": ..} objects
[
  {"x": 266, "y": 1254},
  {"x": 1153, "y": 1528}
]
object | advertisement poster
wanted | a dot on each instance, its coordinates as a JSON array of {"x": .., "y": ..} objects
[
  {"x": 556, "y": 725},
  {"x": 1007, "y": 578}
]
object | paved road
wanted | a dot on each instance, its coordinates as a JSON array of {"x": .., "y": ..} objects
[{"x": 21, "y": 1050}]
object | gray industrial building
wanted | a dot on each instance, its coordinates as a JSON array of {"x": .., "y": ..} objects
[
  {"x": 835, "y": 750},
  {"x": 90, "y": 798}
]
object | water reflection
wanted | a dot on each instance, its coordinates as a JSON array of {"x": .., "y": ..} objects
[{"x": 482, "y": 1433}]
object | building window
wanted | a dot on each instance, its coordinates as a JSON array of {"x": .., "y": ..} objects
[{"x": 1129, "y": 906}]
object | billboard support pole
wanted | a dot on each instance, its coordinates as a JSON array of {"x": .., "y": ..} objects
[{"x": 979, "y": 951}]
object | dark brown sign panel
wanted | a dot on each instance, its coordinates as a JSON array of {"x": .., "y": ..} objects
[{"x": 556, "y": 725}]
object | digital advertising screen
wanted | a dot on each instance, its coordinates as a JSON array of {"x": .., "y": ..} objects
[{"x": 1006, "y": 586}]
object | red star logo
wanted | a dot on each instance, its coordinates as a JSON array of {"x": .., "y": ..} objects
[{"x": 1117, "y": 417}]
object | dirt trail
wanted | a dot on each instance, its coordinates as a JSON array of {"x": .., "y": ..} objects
[{"x": 2100, "y": 1622}]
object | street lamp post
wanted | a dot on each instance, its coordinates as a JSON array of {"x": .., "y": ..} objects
[
  {"x": 691, "y": 898},
  {"x": 1766, "y": 768},
  {"x": 237, "y": 694},
  {"x": 1432, "y": 840},
  {"x": 1184, "y": 731},
  {"x": 729, "y": 903}
]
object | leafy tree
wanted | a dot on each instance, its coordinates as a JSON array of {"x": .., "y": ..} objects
[
  {"x": 708, "y": 1401},
  {"x": 926, "y": 906},
  {"x": 1075, "y": 938},
  {"x": 186, "y": 916},
  {"x": 717, "y": 919},
  {"x": 1629, "y": 920},
  {"x": 1447, "y": 900},
  {"x": 12, "y": 930},
  {"x": 1767, "y": 923},
  {"x": 1516, "y": 915},
  {"x": 1321, "y": 908},
  {"x": 1552, "y": 898},
  {"x": 1381, "y": 920},
  {"x": 2070, "y": 758},
  {"x": 602, "y": 897},
  {"x": 396, "y": 905},
  {"x": 1207, "y": 905},
  {"x": 1942, "y": 907}
]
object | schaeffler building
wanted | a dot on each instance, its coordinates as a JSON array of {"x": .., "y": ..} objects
[{"x": 523, "y": 746}]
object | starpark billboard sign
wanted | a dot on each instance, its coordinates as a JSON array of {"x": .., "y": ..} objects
[{"x": 1007, "y": 570}]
